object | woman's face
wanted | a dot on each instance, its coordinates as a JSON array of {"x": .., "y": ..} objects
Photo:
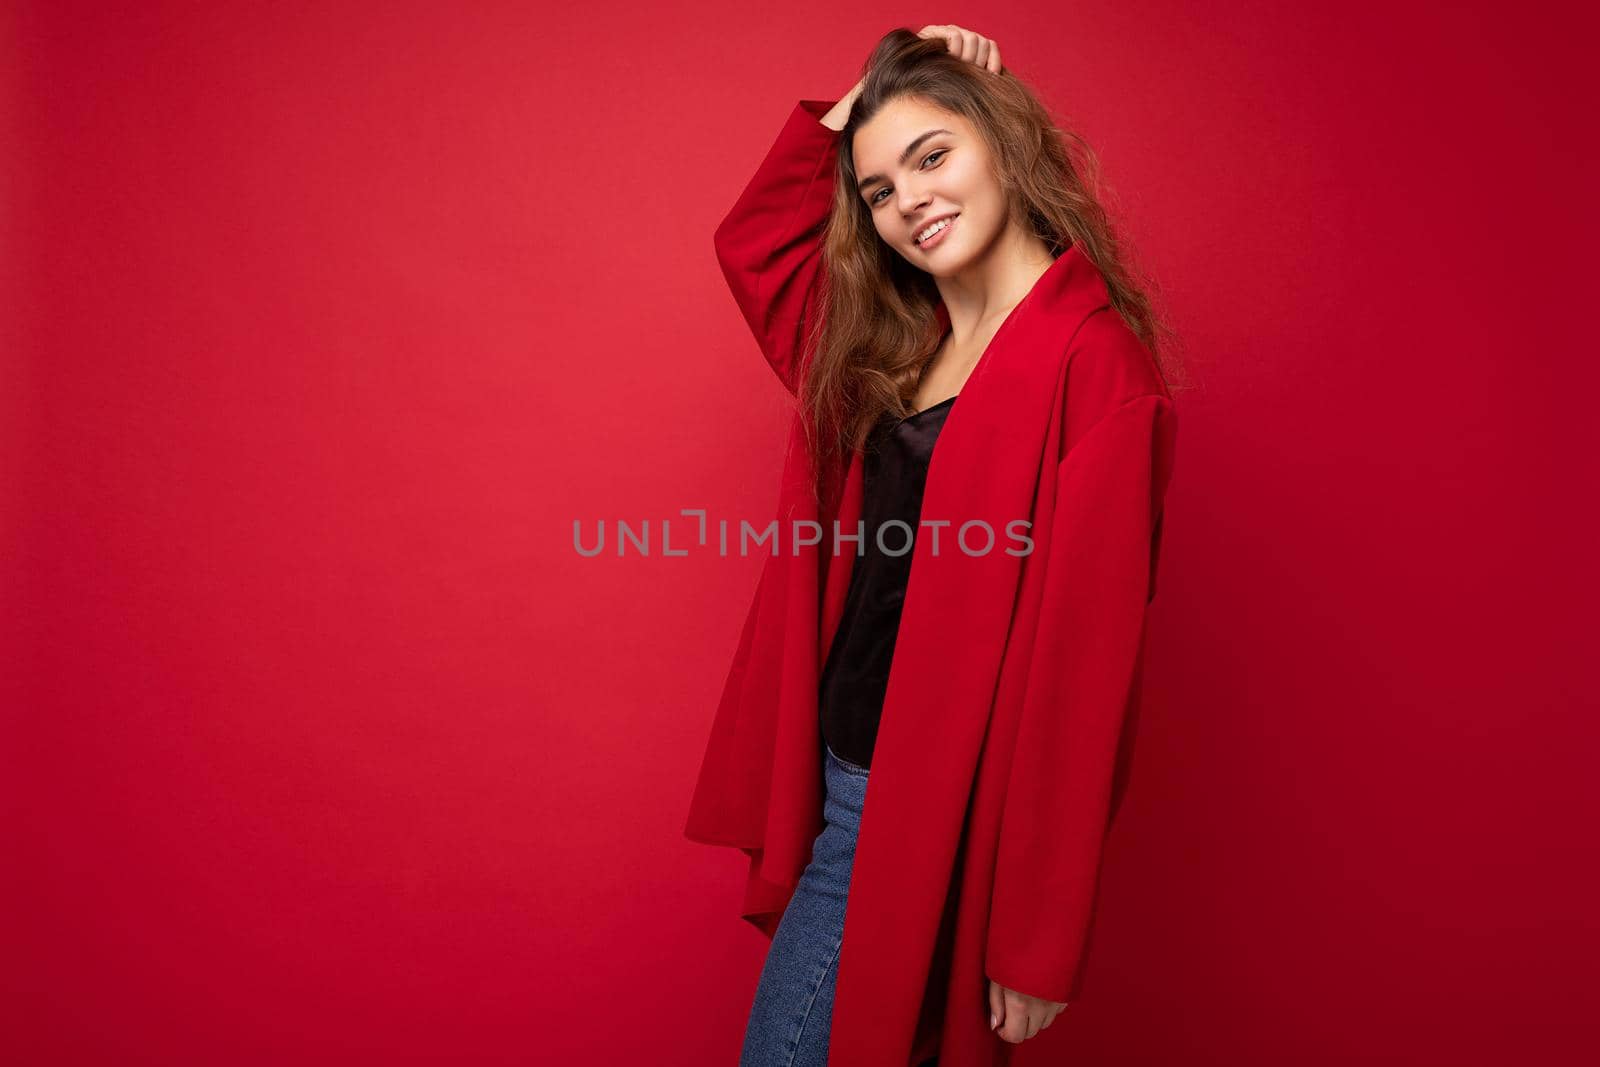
[{"x": 918, "y": 164}]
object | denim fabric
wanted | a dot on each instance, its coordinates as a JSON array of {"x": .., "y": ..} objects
[{"x": 793, "y": 1006}]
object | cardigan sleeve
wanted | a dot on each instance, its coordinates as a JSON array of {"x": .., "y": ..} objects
[
  {"x": 1099, "y": 574},
  {"x": 770, "y": 244}
]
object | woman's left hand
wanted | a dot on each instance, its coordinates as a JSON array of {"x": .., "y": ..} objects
[{"x": 1017, "y": 1016}]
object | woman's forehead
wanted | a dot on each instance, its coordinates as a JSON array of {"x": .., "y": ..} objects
[
  {"x": 904, "y": 112},
  {"x": 881, "y": 140}
]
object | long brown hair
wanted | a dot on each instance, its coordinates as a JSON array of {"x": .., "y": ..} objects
[{"x": 878, "y": 326}]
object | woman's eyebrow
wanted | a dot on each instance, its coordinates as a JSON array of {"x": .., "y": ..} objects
[{"x": 910, "y": 148}]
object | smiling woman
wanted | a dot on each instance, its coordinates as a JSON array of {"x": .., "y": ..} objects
[
  {"x": 937, "y": 131},
  {"x": 933, "y": 738}
]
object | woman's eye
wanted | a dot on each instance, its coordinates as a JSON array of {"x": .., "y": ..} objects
[{"x": 936, "y": 152}]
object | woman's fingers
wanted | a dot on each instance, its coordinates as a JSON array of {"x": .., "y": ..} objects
[
  {"x": 1015, "y": 1017},
  {"x": 969, "y": 45},
  {"x": 1018, "y": 1026},
  {"x": 997, "y": 1005},
  {"x": 1032, "y": 1021}
]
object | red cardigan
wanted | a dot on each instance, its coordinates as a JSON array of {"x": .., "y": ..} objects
[{"x": 1001, "y": 755}]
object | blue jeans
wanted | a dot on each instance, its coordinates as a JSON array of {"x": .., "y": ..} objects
[{"x": 794, "y": 1000}]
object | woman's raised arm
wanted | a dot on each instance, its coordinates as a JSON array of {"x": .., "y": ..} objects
[{"x": 770, "y": 244}]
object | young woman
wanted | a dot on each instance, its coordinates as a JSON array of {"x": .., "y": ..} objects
[{"x": 925, "y": 261}]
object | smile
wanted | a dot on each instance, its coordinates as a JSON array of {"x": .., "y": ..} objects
[{"x": 936, "y": 233}]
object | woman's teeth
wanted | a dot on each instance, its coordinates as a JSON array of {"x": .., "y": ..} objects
[{"x": 934, "y": 234}]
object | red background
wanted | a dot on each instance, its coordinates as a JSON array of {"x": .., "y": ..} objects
[{"x": 323, "y": 745}]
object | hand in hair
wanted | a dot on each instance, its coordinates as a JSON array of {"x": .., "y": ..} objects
[{"x": 970, "y": 46}]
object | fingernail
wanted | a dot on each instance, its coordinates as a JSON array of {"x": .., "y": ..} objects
[{"x": 994, "y": 1021}]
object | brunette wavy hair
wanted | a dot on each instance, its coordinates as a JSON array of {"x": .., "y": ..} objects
[{"x": 877, "y": 328}]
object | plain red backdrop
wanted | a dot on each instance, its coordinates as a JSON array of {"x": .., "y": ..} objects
[{"x": 323, "y": 745}]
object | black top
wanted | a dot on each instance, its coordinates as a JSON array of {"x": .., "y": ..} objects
[{"x": 856, "y": 674}]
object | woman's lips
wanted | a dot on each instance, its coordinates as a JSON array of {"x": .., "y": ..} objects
[{"x": 941, "y": 235}]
